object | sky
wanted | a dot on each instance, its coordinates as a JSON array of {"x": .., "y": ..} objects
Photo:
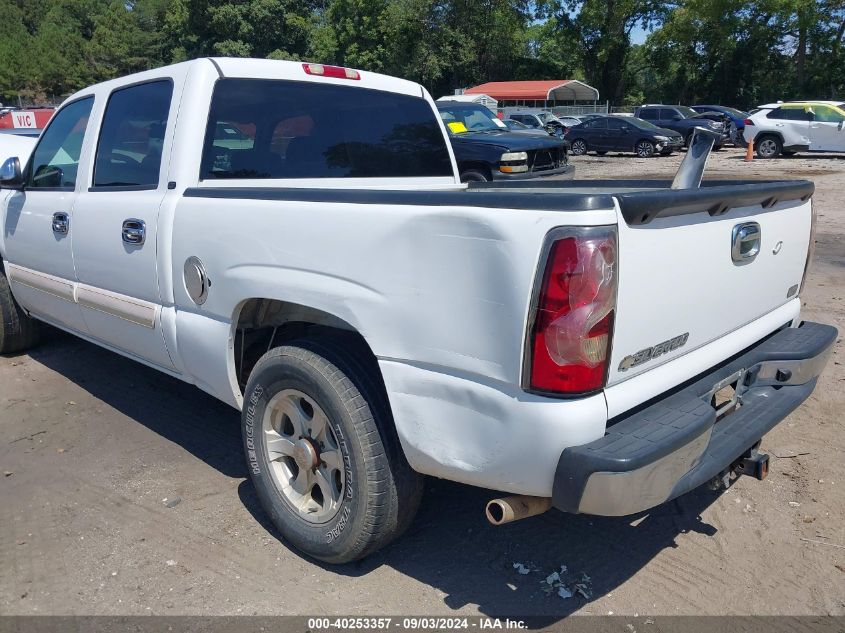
[{"x": 638, "y": 35}]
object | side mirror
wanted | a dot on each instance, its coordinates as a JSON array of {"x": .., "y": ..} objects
[{"x": 10, "y": 174}]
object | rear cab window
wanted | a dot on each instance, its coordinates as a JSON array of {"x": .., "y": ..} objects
[
  {"x": 259, "y": 129},
  {"x": 650, "y": 113}
]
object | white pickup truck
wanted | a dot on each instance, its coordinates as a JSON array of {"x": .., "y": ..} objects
[{"x": 294, "y": 239}]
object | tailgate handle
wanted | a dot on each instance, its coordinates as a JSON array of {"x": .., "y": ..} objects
[{"x": 745, "y": 242}]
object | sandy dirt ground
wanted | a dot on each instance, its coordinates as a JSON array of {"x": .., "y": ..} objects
[{"x": 124, "y": 491}]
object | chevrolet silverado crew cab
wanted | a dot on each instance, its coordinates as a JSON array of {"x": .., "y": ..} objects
[{"x": 294, "y": 239}]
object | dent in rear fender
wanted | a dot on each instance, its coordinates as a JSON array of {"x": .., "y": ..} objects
[
  {"x": 438, "y": 285},
  {"x": 478, "y": 431}
]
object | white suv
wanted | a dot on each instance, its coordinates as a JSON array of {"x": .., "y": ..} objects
[{"x": 800, "y": 126}]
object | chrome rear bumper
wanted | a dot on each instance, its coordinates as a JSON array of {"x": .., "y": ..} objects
[{"x": 681, "y": 441}]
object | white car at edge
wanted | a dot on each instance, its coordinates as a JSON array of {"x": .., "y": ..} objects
[{"x": 786, "y": 128}]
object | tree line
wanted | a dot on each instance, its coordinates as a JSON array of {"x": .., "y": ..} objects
[{"x": 733, "y": 52}]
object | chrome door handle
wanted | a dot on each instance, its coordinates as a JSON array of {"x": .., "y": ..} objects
[
  {"x": 61, "y": 223},
  {"x": 134, "y": 231}
]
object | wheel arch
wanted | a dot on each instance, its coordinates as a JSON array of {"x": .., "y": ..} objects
[
  {"x": 777, "y": 134},
  {"x": 269, "y": 322},
  {"x": 260, "y": 324},
  {"x": 475, "y": 165}
]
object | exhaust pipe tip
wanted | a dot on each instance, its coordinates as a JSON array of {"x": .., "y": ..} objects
[{"x": 508, "y": 509}]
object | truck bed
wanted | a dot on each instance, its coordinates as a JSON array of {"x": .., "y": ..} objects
[{"x": 640, "y": 201}]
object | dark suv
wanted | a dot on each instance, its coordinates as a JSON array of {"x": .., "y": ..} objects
[
  {"x": 681, "y": 119},
  {"x": 486, "y": 150}
]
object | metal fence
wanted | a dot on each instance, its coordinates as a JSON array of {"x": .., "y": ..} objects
[{"x": 575, "y": 110}]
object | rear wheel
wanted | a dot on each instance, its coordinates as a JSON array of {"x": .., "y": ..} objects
[
  {"x": 323, "y": 454},
  {"x": 474, "y": 175},
  {"x": 644, "y": 149},
  {"x": 578, "y": 147},
  {"x": 768, "y": 146},
  {"x": 18, "y": 332}
]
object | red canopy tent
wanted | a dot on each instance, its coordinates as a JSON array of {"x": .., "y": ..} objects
[{"x": 546, "y": 91}]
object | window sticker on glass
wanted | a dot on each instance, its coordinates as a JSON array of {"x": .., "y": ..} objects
[
  {"x": 499, "y": 123},
  {"x": 456, "y": 127}
]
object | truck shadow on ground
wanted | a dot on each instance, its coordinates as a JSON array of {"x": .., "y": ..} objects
[{"x": 449, "y": 547}]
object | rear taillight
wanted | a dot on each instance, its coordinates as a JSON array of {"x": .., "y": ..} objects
[
  {"x": 571, "y": 324},
  {"x": 337, "y": 72},
  {"x": 748, "y": 122}
]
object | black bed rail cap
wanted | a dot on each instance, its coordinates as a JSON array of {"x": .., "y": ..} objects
[{"x": 713, "y": 197}]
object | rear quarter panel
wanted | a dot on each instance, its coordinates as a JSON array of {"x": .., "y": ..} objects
[{"x": 439, "y": 293}]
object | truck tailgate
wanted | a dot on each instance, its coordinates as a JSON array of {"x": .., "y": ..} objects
[{"x": 682, "y": 285}]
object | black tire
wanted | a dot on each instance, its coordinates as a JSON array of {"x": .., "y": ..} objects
[
  {"x": 578, "y": 147},
  {"x": 768, "y": 146},
  {"x": 644, "y": 149},
  {"x": 717, "y": 148},
  {"x": 19, "y": 331},
  {"x": 474, "y": 175},
  {"x": 381, "y": 493}
]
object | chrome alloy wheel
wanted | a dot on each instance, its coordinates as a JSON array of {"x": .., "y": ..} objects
[
  {"x": 768, "y": 148},
  {"x": 645, "y": 149},
  {"x": 304, "y": 455},
  {"x": 578, "y": 147}
]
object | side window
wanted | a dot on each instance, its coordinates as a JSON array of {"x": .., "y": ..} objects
[
  {"x": 649, "y": 113},
  {"x": 789, "y": 114},
  {"x": 614, "y": 124},
  {"x": 826, "y": 114},
  {"x": 55, "y": 161},
  {"x": 311, "y": 129},
  {"x": 668, "y": 115},
  {"x": 132, "y": 136}
]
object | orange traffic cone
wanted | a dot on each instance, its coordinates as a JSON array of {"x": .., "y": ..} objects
[{"x": 749, "y": 151}]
